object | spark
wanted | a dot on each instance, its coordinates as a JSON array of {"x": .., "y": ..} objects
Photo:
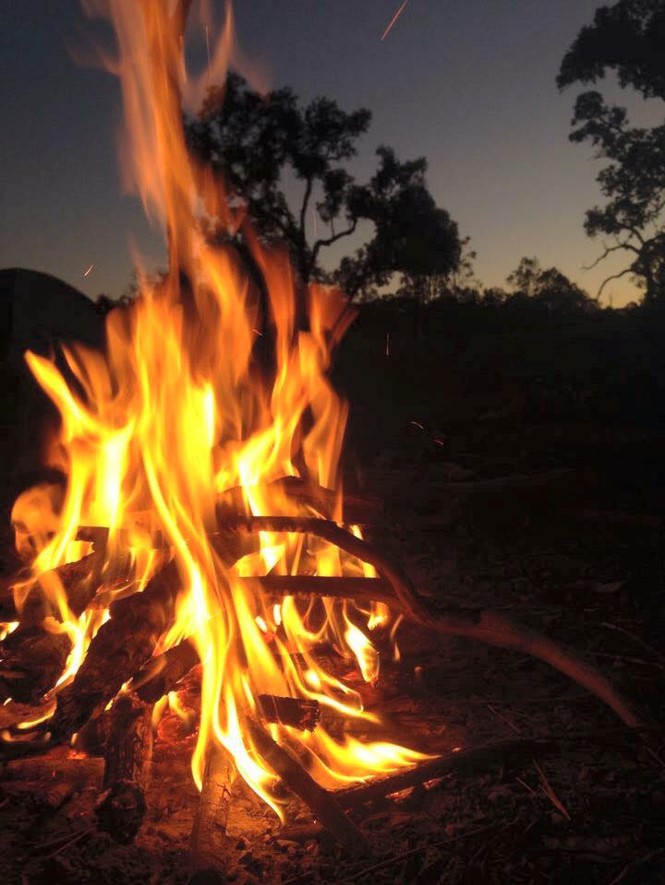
[
  {"x": 208, "y": 47},
  {"x": 87, "y": 270},
  {"x": 393, "y": 20}
]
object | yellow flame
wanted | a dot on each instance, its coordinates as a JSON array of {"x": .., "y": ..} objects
[{"x": 180, "y": 410}]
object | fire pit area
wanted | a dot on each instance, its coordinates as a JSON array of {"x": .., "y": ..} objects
[
  {"x": 215, "y": 665},
  {"x": 545, "y": 781}
]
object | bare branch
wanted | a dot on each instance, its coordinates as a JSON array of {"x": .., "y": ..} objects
[
  {"x": 614, "y": 276},
  {"x": 333, "y": 239},
  {"x": 607, "y": 250}
]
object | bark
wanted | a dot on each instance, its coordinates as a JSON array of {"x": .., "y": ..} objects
[{"x": 122, "y": 807}]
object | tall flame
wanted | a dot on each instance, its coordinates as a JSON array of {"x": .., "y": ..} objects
[{"x": 184, "y": 407}]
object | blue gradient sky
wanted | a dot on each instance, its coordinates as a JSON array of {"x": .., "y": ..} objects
[{"x": 470, "y": 84}]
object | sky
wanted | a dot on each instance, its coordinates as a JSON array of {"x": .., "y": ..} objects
[{"x": 469, "y": 84}]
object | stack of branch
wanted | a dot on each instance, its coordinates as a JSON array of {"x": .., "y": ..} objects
[{"x": 124, "y": 647}]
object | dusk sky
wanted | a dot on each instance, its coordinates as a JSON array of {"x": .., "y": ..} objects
[{"x": 469, "y": 84}]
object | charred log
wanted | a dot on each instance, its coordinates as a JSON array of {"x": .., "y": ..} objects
[
  {"x": 79, "y": 580},
  {"x": 474, "y": 760},
  {"x": 294, "y": 712},
  {"x": 122, "y": 807},
  {"x": 32, "y": 661},
  {"x": 209, "y": 843},
  {"x": 163, "y": 673},
  {"x": 120, "y": 649}
]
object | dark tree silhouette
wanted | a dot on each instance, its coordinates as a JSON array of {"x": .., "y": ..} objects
[
  {"x": 268, "y": 147},
  {"x": 549, "y": 289},
  {"x": 627, "y": 39}
]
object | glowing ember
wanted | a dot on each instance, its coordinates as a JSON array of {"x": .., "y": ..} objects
[{"x": 182, "y": 415}]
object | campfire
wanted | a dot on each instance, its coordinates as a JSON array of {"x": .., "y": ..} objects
[{"x": 202, "y": 536}]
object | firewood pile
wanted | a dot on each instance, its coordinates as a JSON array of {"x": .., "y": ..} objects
[{"x": 108, "y": 706}]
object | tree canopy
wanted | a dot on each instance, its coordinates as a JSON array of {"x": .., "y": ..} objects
[
  {"x": 548, "y": 288},
  {"x": 627, "y": 39},
  {"x": 286, "y": 166}
]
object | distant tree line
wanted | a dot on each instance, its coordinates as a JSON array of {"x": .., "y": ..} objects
[{"x": 284, "y": 166}]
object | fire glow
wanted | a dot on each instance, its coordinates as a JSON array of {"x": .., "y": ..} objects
[{"x": 211, "y": 403}]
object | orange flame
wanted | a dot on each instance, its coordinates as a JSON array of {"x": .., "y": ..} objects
[{"x": 179, "y": 411}]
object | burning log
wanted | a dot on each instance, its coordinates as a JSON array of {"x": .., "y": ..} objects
[
  {"x": 302, "y": 493},
  {"x": 208, "y": 841},
  {"x": 339, "y": 537},
  {"x": 323, "y": 804},
  {"x": 122, "y": 807},
  {"x": 473, "y": 759},
  {"x": 486, "y": 626},
  {"x": 295, "y": 712},
  {"x": 276, "y": 587},
  {"x": 32, "y": 661},
  {"x": 79, "y": 580},
  {"x": 34, "y": 656},
  {"x": 162, "y": 675},
  {"x": 121, "y": 647}
]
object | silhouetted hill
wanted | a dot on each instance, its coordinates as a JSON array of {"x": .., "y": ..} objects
[{"x": 37, "y": 312}]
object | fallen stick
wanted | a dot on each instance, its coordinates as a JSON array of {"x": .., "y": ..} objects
[
  {"x": 512, "y": 482},
  {"x": 122, "y": 806},
  {"x": 498, "y": 630},
  {"x": 322, "y": 803},
  {"x": 619, "y": 517}
]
